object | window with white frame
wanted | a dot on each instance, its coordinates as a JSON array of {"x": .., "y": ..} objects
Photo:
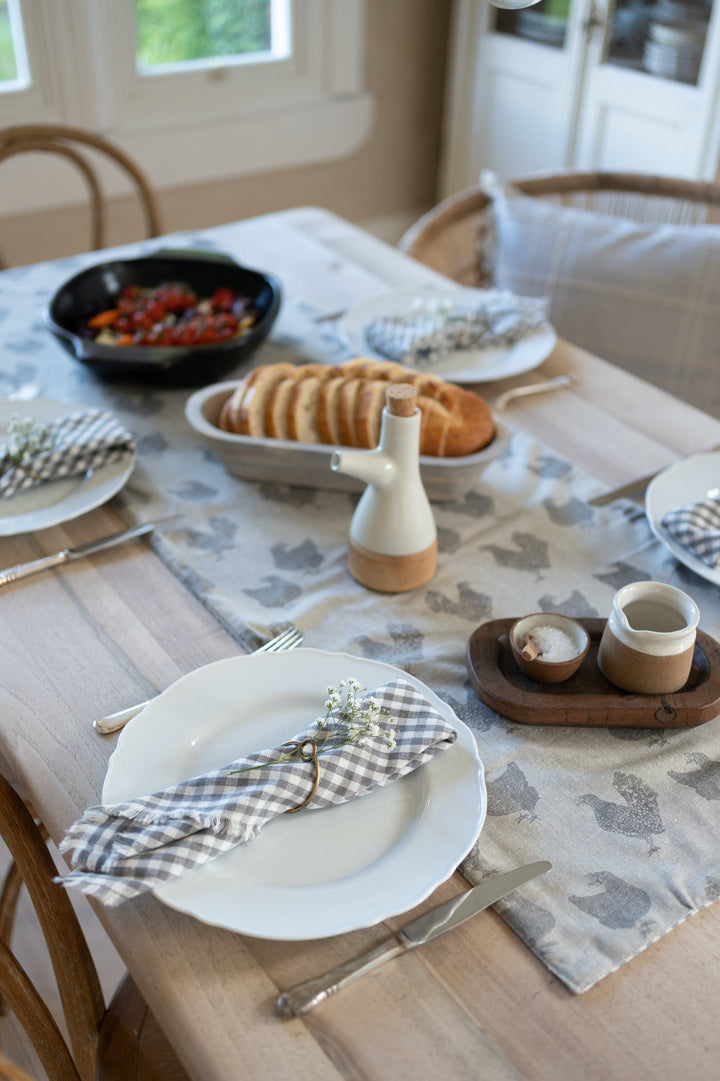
[{"x": 195, "y": 90}]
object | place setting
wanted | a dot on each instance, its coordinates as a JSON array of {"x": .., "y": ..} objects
[
  {"x": 249, "y": 863},
  {"x": 683, "y": 508},
  {"x": 60, "y": 460},
  {"x": 465, "y": 335}
]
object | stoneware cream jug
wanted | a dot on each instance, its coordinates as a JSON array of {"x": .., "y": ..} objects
[{"x": 648, "y": 642}]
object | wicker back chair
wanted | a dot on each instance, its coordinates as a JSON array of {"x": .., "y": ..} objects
[
  {"x": 81, "y": 148},
  {"x": 453, "y": 237},
  {"x": 120, "y": 1043}
]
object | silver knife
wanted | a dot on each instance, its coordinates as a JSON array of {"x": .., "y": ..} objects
[
  {"x": 22, "y": 570},
  {"x": 305, "y": 996},
  {"x": 635, "y": 488}
]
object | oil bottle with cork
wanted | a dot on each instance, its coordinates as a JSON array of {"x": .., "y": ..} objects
[{"x": 393, "y": 537}]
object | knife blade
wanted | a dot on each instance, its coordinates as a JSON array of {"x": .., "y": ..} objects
[
  {"x": 305, "y": 996},
  {"x": 635, "y": 488},
  {"x": 22, "y": 570}
]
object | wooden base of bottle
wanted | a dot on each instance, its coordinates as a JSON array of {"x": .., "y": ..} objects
[{"x": 391, "y": 574}]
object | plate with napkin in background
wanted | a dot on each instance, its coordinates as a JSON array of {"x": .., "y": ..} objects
[
  {"x": 91, "y": 457},
  {"x": 322, "y": 871},
  {"x": 683, "y": 508},
  {"x": 463, "y": 335}
]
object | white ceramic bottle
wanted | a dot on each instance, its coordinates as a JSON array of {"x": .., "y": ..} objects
[{"x": 393, "y": 538}]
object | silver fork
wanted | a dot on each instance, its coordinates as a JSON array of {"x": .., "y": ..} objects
[{"x": 287, "y": 639}]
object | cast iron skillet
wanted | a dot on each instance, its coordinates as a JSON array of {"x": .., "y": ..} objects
[{"x": 96, "y": 288}]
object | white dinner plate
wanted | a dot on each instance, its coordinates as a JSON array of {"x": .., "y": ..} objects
[
  {"x": 317, "y": 873},
  {"x": 59, "y": 500},
  {"x": 686, "y": 481},
  {"x": 463, "y": 365}
]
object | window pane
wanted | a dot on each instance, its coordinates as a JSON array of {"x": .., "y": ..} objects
[
  {"x": 13, "y": 59},
  {"x": 172, "y": 32}
]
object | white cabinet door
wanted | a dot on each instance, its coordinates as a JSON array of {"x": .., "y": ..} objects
[
  {"x": 511, "y": 100},
  {"x": 530, "y": 93},
  {"x": 633, "y": 121}
]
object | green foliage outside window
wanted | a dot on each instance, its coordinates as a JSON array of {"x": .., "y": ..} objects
[
  {"x": 8, "y": 65},
  {"x": 170, "y": 31}
]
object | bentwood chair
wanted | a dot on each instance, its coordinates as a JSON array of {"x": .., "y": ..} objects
[
  {"x": 85, "y": 151},
  {"x": 120, "y": 1042},
  {"x": 630, "y": 264}
]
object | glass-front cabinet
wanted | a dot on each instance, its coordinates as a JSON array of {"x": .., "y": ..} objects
[
  {"x": 665, "y": 38},
  {"x": 629, "y": 85}
]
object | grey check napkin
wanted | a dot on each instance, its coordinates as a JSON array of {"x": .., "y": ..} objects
[
  {"x": 75, "y": 444},
  {"x": 435, "y": 328},
  {"x": 697, "y": 527},
  {"x": 122, "y": 850}
]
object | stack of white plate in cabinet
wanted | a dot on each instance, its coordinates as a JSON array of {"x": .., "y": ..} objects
[{"x": 674, "y": 49}]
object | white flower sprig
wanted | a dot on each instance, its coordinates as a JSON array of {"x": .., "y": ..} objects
[
  {"x": 348, "y": 719},
  {"x": 27, "y": 439}
]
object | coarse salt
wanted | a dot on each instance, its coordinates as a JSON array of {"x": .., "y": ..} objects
[{"x": 552, "y": 643}]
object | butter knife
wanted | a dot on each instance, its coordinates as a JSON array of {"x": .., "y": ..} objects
[
  {"x": 22, "y": 570},
  {"x": 305, "y": 996}
]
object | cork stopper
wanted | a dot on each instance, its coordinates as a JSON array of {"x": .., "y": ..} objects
[{"x": 401, "y": 399}]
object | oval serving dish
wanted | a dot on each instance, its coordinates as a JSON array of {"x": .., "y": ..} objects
[{"x": 307, "y": 465}]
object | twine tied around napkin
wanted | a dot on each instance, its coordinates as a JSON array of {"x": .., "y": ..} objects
[
  {"x": 118, "y": 851},
  {"x": 697, "y": 527},
  {"x": 437, "y": 327},
  {"x": 67, "y": 447}
]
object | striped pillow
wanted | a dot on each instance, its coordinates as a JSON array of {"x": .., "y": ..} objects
[{"x": 646, "y": 297}]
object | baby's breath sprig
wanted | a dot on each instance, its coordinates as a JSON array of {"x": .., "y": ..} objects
[
  {"x": 27, "y": 439},
  {"x": 352, "y": 719},
  {"x": 348, "y": 719}
]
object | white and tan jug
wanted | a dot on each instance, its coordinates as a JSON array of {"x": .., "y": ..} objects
[
  {"x": 648, "y": 642},
  {"x": 393, "y": 538}
]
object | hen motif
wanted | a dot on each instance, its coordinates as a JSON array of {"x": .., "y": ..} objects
[
  {"x": 510, "y": 793},
  {"x": 638, "y": 818},
  {"x": 619, "y": 905},
  {"x": 705, "y": 779}
]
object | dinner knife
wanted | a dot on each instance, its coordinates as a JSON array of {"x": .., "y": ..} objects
[
  {"x": 22, "y": 570},
  {"x": 634, "y": 488},
  {"x": 305, "y": 996}
]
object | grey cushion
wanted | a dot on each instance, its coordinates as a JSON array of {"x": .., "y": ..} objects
[{"x": 646, "y": 297}]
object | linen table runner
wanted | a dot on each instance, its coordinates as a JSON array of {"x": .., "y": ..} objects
[{"x": 629, "y": 818}]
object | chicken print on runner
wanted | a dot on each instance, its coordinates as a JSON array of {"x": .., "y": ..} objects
[
  {"x": 620, "y": 904},
  {"x": 705, "y": 779},
  {"x": 638, "y": 817},
  {"x": 510, "y": 794}
]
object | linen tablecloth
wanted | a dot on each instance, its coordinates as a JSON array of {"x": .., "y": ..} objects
[{"x": 629, "y": 818}]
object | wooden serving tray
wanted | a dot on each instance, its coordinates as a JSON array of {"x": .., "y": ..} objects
[{"x": 587, "y": 698}]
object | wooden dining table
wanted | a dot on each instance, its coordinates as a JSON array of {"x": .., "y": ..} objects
[{"x": 91, "y": 637}]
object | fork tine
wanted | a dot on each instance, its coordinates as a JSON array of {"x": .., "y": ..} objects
[
  {"x": 287, "y": 643},
  {"x": 285, "y": 640}
]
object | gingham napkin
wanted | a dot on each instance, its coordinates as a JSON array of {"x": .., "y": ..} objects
[
  {"x": 435, "y": 327},
  {"x": 697, "y": 527},
  {"x": 75, "y": 444},
  {"x": 124, "y": 849}
]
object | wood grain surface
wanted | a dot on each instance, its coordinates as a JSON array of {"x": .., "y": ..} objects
[{"x": 117, "y": 627}]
